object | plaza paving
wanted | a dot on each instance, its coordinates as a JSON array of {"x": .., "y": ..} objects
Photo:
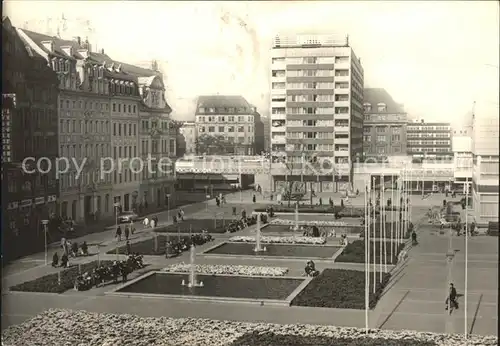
[{"x": 415, "y": 299}]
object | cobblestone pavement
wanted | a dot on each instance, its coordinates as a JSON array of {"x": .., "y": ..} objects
[{"x": 414, "y": 300}]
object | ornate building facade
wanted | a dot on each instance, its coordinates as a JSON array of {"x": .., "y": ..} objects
[
  {"x": 157, "y": 143},
  {"x": 29, "y": 130},
  {"x": 101, "y": 103}
]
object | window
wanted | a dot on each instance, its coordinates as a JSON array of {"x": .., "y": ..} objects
[
  {"x": 367, "y": 138},
  {"x": 381, "y": 107},
  {"x": 380, "y": 150},
  {"x": 230, "y": 129},
  {"x": 211, "y": 110},
  {"x": 114, "y": 129},
  {"x": 114, "y": 107},
  {"x": 211, "y": 129},
  {"x": 241, "y": 129},
  {"x": 134, "y": 108},
  {"x": 221, "y": 128},
  {"x": 396, "y": 138},
  {"x": 310, "y": 60},
  {"x": 380, "y": 129},
  {"x": 120, "y": 108}
]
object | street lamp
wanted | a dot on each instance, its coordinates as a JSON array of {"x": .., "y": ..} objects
[
  {"x": 207, "y": 196},
  {"x": 45, "y": 223},
  {"x": 168, "y": 206},
  {"x": 116, "y": 205}
]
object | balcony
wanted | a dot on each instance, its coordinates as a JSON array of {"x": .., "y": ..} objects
[
  {"x": 278, "y": 140},
  {"x": 342, "y": 116},
  {"x": 342, "y": 103},
  {"x": 342, "y": 141},
  {"x": 341, "y": 129},
  {"x": 342, "y": 78},
  {"x": 341, "y": 152},
  {"x": 343, "y": 65},
  {"x": 278, "y": 104},
  {"x": 342, "y": 91},
  {"x": 278, "y": 129}
]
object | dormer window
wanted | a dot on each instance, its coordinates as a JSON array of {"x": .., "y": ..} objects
[
  {"x": 231, "y": 110},
  {"x": 381, "y": 107},
  {"x": 211, "y": 110},
  {"x": 367, "y": 107},
  {"x": 201, "y": 110}
]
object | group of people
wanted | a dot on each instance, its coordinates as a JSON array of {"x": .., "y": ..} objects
[
  {"x": 176, "y": 217},
  {"x": 153, "y": 222},
  {"x": 310, "y": 269},
  {"x": 176, "y": 248},
  {"x": 103, "y": 273},
  {"x": 128, "y": 229},
  {"x": 69, "y": 249}
]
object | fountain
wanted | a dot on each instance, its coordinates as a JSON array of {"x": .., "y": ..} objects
[
  {"x": 258, "y": 246},
  {"x": 192, "y": 274}
]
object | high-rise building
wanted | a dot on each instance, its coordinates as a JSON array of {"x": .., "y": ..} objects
[
  {"x": 485, "y": 151},
  {"x": 384, "y": 128},
  {"x": 429, "y": 140},
  {"x": 29, "y": 131},
  {"x": 225, "y": 124},
  {"x": 106, "y": 110},
  {"x": 317, "y": 102}
]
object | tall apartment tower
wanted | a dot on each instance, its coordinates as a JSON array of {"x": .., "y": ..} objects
[{"x": 317, "y": 102}]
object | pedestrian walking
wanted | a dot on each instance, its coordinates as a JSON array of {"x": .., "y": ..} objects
[
  {"x": 127, "y": 232},
  {"x": 182, "y": 214},
  {"x": 128, "y": 247},
  {"x": 254, "y": 198},
  {"x": 119, "y": 233}
]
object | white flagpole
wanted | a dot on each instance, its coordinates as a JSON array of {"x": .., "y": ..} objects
[
  {"x": 466, "y": 255},
  {"x": 380, "y": 237},
  {"x": 383, "y": 217},
  {"x": 392, "y": 218},
  {"x": 367, "y": 258},
  {"x": 374, "y": 236}
]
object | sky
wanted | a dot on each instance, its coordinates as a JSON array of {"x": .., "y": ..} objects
[{"x": 436, "y": 58}]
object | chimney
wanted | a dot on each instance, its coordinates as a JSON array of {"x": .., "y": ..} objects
[
  {"x": 78, "y": 40},
  {"x": 102, "y": 50}
]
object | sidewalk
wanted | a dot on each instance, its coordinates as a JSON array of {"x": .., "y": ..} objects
[{"x": 31, "y": 266}]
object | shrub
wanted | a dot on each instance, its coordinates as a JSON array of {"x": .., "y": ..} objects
[
  {"x": 339, "y": 288},
  {"x": 49, "y": 283}
]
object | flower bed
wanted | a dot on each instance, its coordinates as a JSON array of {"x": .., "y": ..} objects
[
  {"x": 220, "y": 269},
  {"x": 147, "y": 247},
  {"x": 339, "y": 288},
  {"x": 49, "y": 283},
  {"x": 196, "y": 226},
  {"x": 282, "y": 222},
  {"x": 280, "y": 240},
  {"x": 379, "y": 233},
  {"x": 355, "y": 252},
  {"x": 320, "y": 209},
  {"x": 70, "y": 327}
]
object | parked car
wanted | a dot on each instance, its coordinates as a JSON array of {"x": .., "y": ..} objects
[{"x": 127, "y": 216}]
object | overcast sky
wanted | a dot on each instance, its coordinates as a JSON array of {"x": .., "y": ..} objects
[{"x": 431, "y": 56}]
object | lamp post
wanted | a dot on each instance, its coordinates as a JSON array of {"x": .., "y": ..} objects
[
  {"x": 168, "y": 207},
  {"x": 45, "y": 223},
  {"x": 207, "y": 197},
  {"x": 116, "y": 206}
]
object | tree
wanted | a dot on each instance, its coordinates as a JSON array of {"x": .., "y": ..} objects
[
  {"x": 295, "y": 190},
  {"x": 211, "y": 144}
]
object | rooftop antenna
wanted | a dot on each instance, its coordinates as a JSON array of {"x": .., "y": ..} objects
[{"x": 347, "y": 40}]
